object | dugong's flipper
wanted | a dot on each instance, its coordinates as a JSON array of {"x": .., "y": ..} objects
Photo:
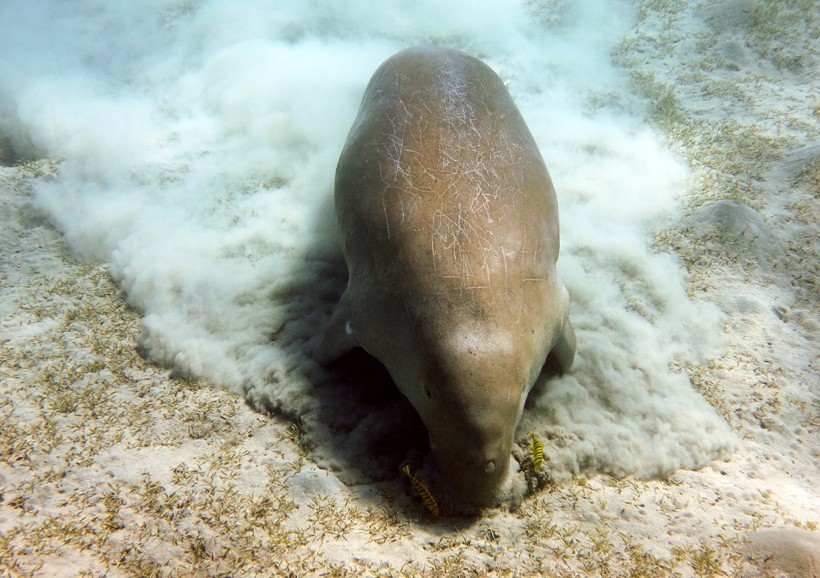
[
  {"x": 338, "y": 339},
  {"x": 562, "y": 355}
]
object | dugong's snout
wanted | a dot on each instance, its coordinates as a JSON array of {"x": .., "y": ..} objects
[
  {"x": 477, "y": 383},
  {"x": 472, "y": 473}
]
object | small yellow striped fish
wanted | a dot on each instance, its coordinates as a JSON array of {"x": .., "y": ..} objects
[
  {"x": 537, "y": 452},
  {"x": 426, "y": 497}
]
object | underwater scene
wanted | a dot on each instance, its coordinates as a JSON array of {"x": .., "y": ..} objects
[{"x": 173, "y": 254}]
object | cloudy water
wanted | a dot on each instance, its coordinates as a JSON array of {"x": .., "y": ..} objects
[{"x": 199, "y": 142}]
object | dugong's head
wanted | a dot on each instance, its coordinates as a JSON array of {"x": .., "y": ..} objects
[{"x": 472, "y": 391}]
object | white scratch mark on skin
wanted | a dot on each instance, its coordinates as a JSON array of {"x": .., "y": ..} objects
[
  {"x": 386, "y": 217},
  {"x": 506, "y": 271}
]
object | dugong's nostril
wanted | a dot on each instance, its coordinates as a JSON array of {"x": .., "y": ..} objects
[{"x": 489, "y": 467}]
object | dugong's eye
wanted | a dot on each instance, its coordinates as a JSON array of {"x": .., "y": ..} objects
[{"x": 427, "y": 391}]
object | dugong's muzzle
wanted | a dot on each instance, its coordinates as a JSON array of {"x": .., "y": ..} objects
[{"x": 472, "y": 474}]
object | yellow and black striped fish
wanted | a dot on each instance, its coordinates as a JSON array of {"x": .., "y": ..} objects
[
  {"x": 537, "y": 452},
  {"x": 426, "y": 497}
]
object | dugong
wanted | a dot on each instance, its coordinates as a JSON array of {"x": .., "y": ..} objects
[{"x": 449, "y": 227}]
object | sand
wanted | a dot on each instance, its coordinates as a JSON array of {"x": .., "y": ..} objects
[{"x": 114, "y": 466}]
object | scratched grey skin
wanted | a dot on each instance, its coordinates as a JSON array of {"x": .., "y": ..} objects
[{"x": 449, "y": 227}]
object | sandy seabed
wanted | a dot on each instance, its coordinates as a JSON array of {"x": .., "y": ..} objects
[{"x": 111, "y": 466}]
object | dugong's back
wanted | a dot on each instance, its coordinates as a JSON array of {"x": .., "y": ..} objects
[{"x": 442, "y": 195}]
